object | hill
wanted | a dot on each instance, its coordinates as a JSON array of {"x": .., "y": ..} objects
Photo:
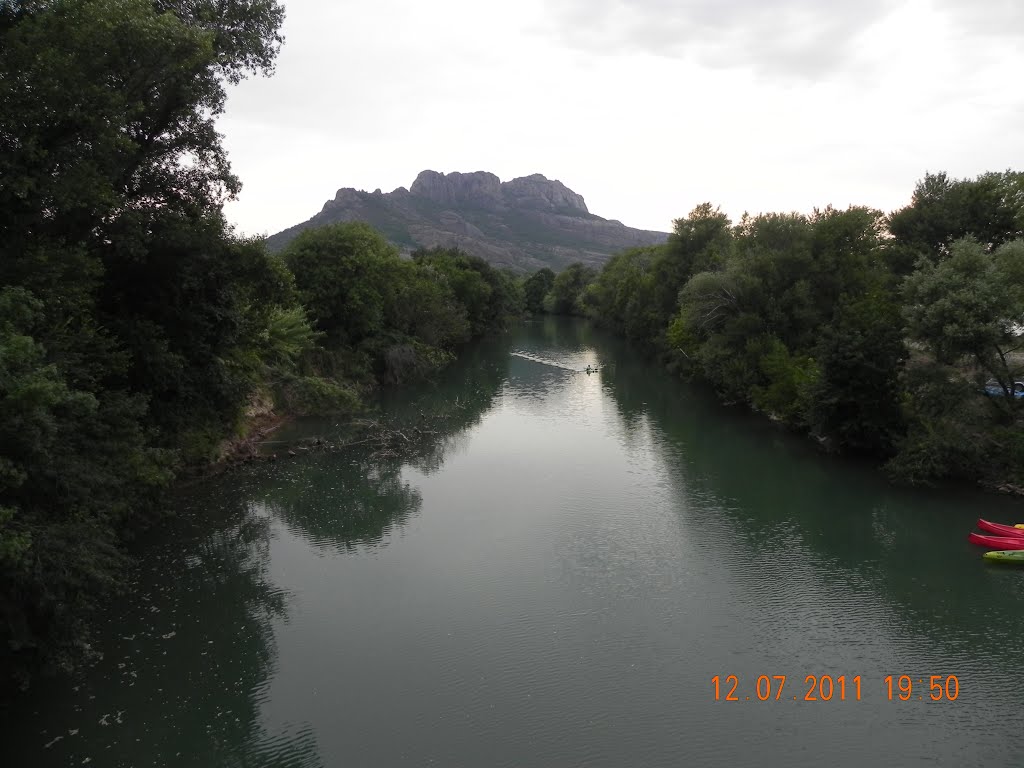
[{"x": 523, "y": 224}]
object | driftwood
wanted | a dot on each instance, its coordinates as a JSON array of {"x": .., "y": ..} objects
[
  {"x": 387, "y": 442},
  {"x": 393, "y": 443}
]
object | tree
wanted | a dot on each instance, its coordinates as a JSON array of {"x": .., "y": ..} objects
[
  {"x": 567, "y": 289},
  {"x": 191, "y": 307},
  {"x": 73, "y": 465},
  {"x": 246, "y": 34},
  {"x": 131, "y": 320},
  {"x": 699, "y": 242},
  {"x": 536, "y": 287},
  {"x": 425, "y": 307},
  {"x": 486, "y": 294},
  {"x": 624, "y": 294},
  {"x": 109, "y": 109},
  {"x": 702, "y": 241},
  {"x": 720, "y": 330},
  {"x": 970, "y": 305},
  {"x": 113, "y": 179},
  {"x": 856, "y": 401},
  {"x": 343, "y": 273},
  {"x": 989, "y": 208},
  {"x": 754, "y": 322}
]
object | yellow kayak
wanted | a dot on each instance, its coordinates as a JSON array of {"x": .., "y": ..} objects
[{"x": 1012, "y": 556}]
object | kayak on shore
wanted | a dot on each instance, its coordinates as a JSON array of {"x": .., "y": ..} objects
[
  {"x": 996, "y": 542},
  {"x": 1007, "y": 556},
  {"x": 998, "y": 529}
]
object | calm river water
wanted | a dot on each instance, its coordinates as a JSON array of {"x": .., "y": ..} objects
[{"x": 551, "y": 577}]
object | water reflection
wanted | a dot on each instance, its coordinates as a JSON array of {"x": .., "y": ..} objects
[
  {"x": 342, "y": 502},
  {"x": 563, "y": 336},
  {"x": 187, "y": 657},
  {"x": 191, "y": 653},
  {"x": 437, "y": 415},
  {"x": 358, "y": 498},
  {"x": 746, "y": 484}
]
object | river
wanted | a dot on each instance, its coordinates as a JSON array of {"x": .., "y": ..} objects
[{"x": 551, "y": 573}]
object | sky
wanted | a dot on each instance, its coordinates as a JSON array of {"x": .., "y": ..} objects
[{"x": 647, "y": 108}]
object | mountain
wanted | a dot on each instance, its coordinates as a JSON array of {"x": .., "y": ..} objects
[{"x": 525, "y": 224}]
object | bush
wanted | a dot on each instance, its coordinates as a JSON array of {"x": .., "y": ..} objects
[
  {"x": 307, "y": 395},
  {"x": 789, "y": 384},
  {"x": 402, "y": 362}
]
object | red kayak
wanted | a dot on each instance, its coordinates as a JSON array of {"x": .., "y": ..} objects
[
  {"x": 997, "y": 542},
  {"x": 999, "y": 529}
]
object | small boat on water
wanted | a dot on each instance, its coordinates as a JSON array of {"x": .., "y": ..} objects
[
  {"x": 999, "y": 529},
  {"x": 996, "y": 542},
  {"x": 1008, "y": 556}
]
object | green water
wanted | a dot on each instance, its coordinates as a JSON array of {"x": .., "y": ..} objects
[{"x": 549, "y": 573}]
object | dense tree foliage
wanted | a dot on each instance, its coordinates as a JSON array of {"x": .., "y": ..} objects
[
  {"x": 491, "y": 297},
  {"x": 132, "y": 320},
  {"x": 343, "y": 273},
  {"x": 384, "y": 317},
  {"x": 989, "y": 208},
  {"x": 535, "y": 288},
  {"x": 567, "y": 291},
  {"x": 969, "y": 305}
]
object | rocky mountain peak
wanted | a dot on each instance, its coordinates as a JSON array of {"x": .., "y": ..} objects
[
  {"x": 484, "y": 190},
  {"x": 537, "y": 191},
  {"x": 478, "y": 188},
  {"x": 524, "y": 224}
]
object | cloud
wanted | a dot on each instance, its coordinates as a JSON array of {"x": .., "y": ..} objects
[
  {"x": 985, "y": 18},
  {"x": 374, "y": 72},
  {"x": 800, "y": 39},
  {"x": 794, "y": 37}
]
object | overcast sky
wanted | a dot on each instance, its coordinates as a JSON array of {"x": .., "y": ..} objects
[{"x": 646, "y": 108}]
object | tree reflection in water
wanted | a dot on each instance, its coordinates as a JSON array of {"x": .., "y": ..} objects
[
  {"x": 357, "y": 497},
  {"x": 761, "y": 495},
  {"x": 187, "y": 656}
]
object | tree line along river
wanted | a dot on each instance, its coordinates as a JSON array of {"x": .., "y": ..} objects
[{"x": 552, "y": 568}]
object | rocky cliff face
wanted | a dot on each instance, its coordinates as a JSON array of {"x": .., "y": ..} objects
[
  {"x": 480, "y": 189},
  {"x": 526, "y": 223},
  {"x": 537, "y": 192}
]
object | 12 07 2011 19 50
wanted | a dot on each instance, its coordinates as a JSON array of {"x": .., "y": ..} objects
[{"x": 836, "y": 688}]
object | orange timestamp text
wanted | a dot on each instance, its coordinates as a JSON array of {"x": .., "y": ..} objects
[{"x": 836, "y": 687}]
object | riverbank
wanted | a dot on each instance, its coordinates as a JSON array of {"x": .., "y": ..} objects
[{"x": 1005, "y": 484}]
